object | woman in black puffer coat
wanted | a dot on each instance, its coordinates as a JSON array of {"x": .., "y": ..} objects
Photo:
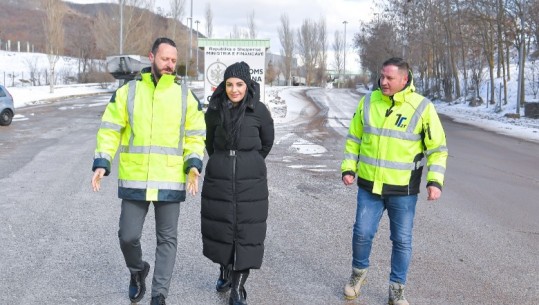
[{"x": 239, "y": 136}]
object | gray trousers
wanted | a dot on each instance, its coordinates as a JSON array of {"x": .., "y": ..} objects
[{"x": 132, "y": 219}]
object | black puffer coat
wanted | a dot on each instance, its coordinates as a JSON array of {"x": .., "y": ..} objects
[{"x": 235, "y": 190}]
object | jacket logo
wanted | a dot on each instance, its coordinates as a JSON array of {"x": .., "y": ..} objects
[{"x": 400, "y": 121}]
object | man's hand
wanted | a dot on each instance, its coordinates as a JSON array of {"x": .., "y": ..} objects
[
  {"x": 192, "y": 181},
  {"x": 348, "y": 179},
  {"x": 434, "y": 193},
  {"x": 96, "y": 179}
]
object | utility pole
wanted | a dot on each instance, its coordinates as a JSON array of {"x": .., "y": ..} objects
[
  {"x": 197, "y": 22},
  {"x": 121, "y": 26},
  {"x": 344, "y": 57},
  {"x": 521, "y": 53}
]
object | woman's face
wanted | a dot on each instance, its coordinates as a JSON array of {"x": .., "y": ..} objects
[{"x": 235, "y": 89}]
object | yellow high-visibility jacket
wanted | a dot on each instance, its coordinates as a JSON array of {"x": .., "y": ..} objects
[
  {"x": 388, "y": 139},
  {"x": 160, "y": 131}
]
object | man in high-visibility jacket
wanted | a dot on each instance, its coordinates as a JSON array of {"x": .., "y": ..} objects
[
  {"x": 160, "y": 129},
  {"x": 392, "y": 131}
]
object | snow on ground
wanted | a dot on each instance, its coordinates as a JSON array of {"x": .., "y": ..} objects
[
  {"x": 493, "y": 118},
  {"x": 286, "y": 105},
  {"x": 35, "y": 95},
  {"x": 21, "y": 68},
  {"x": 488, "y": 119}
]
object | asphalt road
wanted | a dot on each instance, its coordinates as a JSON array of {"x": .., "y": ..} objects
[{"x": 479, "y": 244}]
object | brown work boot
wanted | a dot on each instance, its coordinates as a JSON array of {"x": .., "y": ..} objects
[{"x": 352, "y": 289}]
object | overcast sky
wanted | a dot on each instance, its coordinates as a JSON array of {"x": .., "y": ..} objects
[{"x": 227, "y": 13}]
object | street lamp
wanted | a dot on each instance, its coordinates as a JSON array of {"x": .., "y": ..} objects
[
  {"x": 344, "y": 59},
  {"x": 191, "y": 32},
  {"x": 197, "y": 22},
  {"x": 187, "y": 57}
]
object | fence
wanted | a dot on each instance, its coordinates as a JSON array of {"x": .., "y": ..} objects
[
  {"x": 16, "y": 46},
  {"x": 20, "y": 78}
]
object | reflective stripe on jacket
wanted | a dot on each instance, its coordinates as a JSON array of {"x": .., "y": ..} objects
[
  {"x": 388, "y": 139},
  {"x": 160, "y": 132}
]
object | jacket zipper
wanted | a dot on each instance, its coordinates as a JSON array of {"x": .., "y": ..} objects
[{"x": 234, "y": 203}]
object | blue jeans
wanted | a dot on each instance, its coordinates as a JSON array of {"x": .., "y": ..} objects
[{"x": 401, "y": 212}]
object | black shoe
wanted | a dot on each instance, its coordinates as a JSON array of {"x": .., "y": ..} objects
[
  {"x": 224, "y": 281},
  {"x": 137, "y": 285},
  {"x": 238, "y": 295},
  {"x": 158, "y": 300}
]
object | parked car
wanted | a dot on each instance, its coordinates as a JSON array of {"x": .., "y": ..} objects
[{"x": 7, "y": 109}]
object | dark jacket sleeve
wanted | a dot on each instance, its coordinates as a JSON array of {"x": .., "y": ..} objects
[{"x": 267, "y": 132}]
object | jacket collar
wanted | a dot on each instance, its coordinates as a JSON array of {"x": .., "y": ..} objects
[{"x": 147, "y": 77}]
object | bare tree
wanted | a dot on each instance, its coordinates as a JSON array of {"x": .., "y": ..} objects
[
  {"x": 451, "y": 70},
  {"x": 307, "y": 48},
  {"x": 520, "y": 9},
  {"x": 55, "y": 11},
  {"x": 477, "y": 64},
  {"x": 376, "y": 42},
  {"x": 138, "y": 31},
  {"x": 503, "y": 42},
  {"x": 312, "y": 47},
  {"x": 177, "y": 8},
  {"x": 32, "y": 63},
  {"x": 532, "y": 75},
  {"x": 271, "y": 73},
  {"x": 252, "y": 26},
  {"x": 239, "y": 33},
  {"x": 286, "y": 37},
  {"x": 483, "y": 14},
  {"x": 338, "y": 48},
  {"x": 209, "y": 21},
  {"x": 236, "y": 32},
  {"x": 446, "y": 40},
  {"x": 84, "y": 46},
  {"x": 321, "y": 51}
]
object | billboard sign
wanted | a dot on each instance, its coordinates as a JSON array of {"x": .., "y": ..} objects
[{"x": 218, "y": 58}]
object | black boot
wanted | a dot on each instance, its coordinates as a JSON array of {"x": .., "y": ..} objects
[
  {"x": 137, "y": 285},
  {"x": 238, "y": 295},
  {"x": 224, "y": 281}
]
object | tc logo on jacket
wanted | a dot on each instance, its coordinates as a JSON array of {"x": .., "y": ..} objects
[{"x": 400, "y": 121}]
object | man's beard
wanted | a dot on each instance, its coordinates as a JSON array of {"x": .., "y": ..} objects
[{"x": 157, "y": 72}]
